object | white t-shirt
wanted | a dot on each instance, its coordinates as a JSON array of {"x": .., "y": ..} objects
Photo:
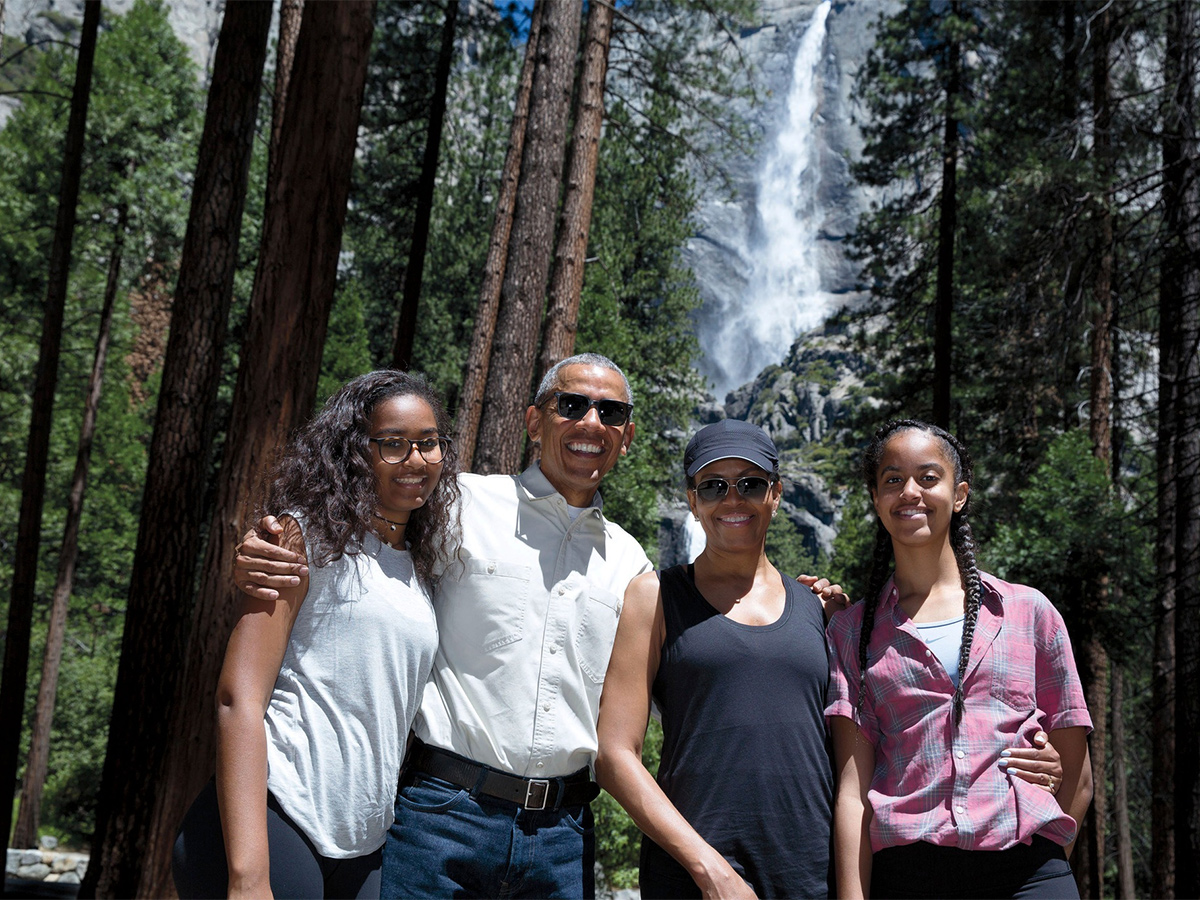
[{"x": 360, "y": 653}]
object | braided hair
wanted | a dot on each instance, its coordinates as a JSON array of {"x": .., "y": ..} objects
[{"x": 962, "y": 542}]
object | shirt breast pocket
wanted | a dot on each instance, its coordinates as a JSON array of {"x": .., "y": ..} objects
[
  {"x": 505, "y": 589},
  {"x": 598, "y": 614},
  {"x": 1012, "y": 674}
]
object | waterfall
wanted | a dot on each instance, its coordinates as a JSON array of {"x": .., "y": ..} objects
[
  {"x": 781, "y": 258},
  {"x": 694, "y": 537}
]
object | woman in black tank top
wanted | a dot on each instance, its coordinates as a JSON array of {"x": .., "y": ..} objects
[{"x": 733, "y": 653}]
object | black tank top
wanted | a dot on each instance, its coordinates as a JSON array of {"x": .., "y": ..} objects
[{"x": 744, "y": 755}]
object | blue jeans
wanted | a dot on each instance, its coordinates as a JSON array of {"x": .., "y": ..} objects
[{"x": 447, "y": 843}]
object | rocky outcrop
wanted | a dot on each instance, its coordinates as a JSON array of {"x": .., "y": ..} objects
[{"x": 805, "y": 400}]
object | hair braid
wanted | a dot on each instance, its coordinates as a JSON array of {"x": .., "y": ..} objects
[{"x": 881, "y": 564}]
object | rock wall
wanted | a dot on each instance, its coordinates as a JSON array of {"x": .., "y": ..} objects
[{"x": 46, "y": 864}]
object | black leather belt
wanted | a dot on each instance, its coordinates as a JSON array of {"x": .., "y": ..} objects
[{"x": 531, "y": 793}]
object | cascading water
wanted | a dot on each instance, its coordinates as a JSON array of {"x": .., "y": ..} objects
[
  {"x": 781, "y": 258},
  {"x": 695, "y": 537}
]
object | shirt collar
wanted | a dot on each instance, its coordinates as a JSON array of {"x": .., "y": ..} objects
[
  {"x": 990, "y": 597},
  {"x": 538, "y": 487}
]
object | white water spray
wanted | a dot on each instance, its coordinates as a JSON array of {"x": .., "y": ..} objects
[
  {"x": 783, "y": 295},
  {"x": 695, "y": 537}
]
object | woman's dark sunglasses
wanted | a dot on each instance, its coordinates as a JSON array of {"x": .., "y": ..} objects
[
  {"x": 576, "y": 406},
  {"x": 752, "y": 487}
]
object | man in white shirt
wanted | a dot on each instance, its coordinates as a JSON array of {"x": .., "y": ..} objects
[{"x": 494, "y": 798}]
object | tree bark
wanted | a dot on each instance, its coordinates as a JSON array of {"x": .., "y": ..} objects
[
  {"x": 1176, "y": 826},
  {"x": 1125, "y": 884},
  {"x": 1180, "y": 280},
  {"x": 29, "y": 814},
  {"x": 480, "y": 355},
  {"x": 566, "y": 281},
  {"x": 291, "y": 13},
  {"x": 37, "y": 448},
  {"x": 1096, "y": 669},
  {"x": 162, "y": 580},
  {"x": 518, "y": 325},
  {"x": 410, "y": 302},
  {"x": 281, "y": 360},
  {"x": 943, "y": 333}
]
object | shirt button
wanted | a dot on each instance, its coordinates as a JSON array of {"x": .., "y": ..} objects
[
  {"x": 553, "y": 649},
  {"x": 541, "y": 765},
  {"x": 546, "y": 707},
  {"x": 491, "y": 568},
  {"x": 960, "y": 754},
  {"x": 561, "y": 590},
  {"x": 959, "y": 809},
  {"x": 929, "y": 653}
]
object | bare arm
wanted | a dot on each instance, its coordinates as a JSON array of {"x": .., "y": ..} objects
[
  {"x": 252, "y": 661},
  {"x": 854, "y": 764},
  {"x": 262, "y": 567},
  {"x": 1075, "y": 795},
  {"x": 624, "y": 712}
]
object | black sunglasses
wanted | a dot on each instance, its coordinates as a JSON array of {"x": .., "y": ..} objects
[
  {"x": 576, "y": 406},
  {"x": 752, "y": 487}
]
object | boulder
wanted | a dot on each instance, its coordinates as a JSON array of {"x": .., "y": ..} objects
[{"x": 36, "y": 872}]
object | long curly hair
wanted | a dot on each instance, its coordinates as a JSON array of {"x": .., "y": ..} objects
[
  {"x": 326, "y": 475},
  {"x": 962, "y": 542}
]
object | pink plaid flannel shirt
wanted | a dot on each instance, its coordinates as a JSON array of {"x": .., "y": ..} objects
[{"x": 936, "y": 783}]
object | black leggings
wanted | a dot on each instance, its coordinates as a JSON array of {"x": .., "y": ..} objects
[
  {"x": 297, "y": 869},
  {"x": 1036, "y": 870}
]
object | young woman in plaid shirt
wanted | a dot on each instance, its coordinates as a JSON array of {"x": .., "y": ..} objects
[{"x": 939, "y": 670}]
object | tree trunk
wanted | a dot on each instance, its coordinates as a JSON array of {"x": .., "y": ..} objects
[
  {"x": 1177, "y": 776},
  {"x": 1179, "y": 280},
  {"x": 281, "y": 360},
  {"x": 943, "y": 334},
  {"x": 566, "y": 281},
  {"x": 1125, "y": 887},
  {"x": 291, "y": 13},
  {"x": 1186, "y": 255},
  {"x": 414, "y": 276},
  {"x": 29, "y": 814},
  {"x": 37, "y": 449},
  {"x": 480, "y": 355},
  {"x": 1100, "y": 431},
  {"x": 518, "y": 325},
  {"x": 163, "y": 576}
]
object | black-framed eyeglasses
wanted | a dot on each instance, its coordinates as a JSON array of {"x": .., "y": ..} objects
[
  {"x": 396, "y": 450},
  {"x": 576, "y": 406},
  {"x": 752, "y": 487}
]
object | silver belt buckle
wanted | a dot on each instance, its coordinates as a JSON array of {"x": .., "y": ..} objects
[{"x": 536, "y": 792}]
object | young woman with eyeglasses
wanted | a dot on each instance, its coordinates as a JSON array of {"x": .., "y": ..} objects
[
  {"x": 940, "y": 668},
  {"x": 319, "y": 687}
]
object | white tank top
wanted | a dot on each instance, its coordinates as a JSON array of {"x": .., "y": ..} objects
[{"x": 352, "y": 676}]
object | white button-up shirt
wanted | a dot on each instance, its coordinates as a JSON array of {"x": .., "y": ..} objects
[{"x": 526, "y": 623}]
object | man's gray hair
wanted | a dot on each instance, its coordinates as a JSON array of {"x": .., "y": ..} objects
[{"x": 550, "y": 379}]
